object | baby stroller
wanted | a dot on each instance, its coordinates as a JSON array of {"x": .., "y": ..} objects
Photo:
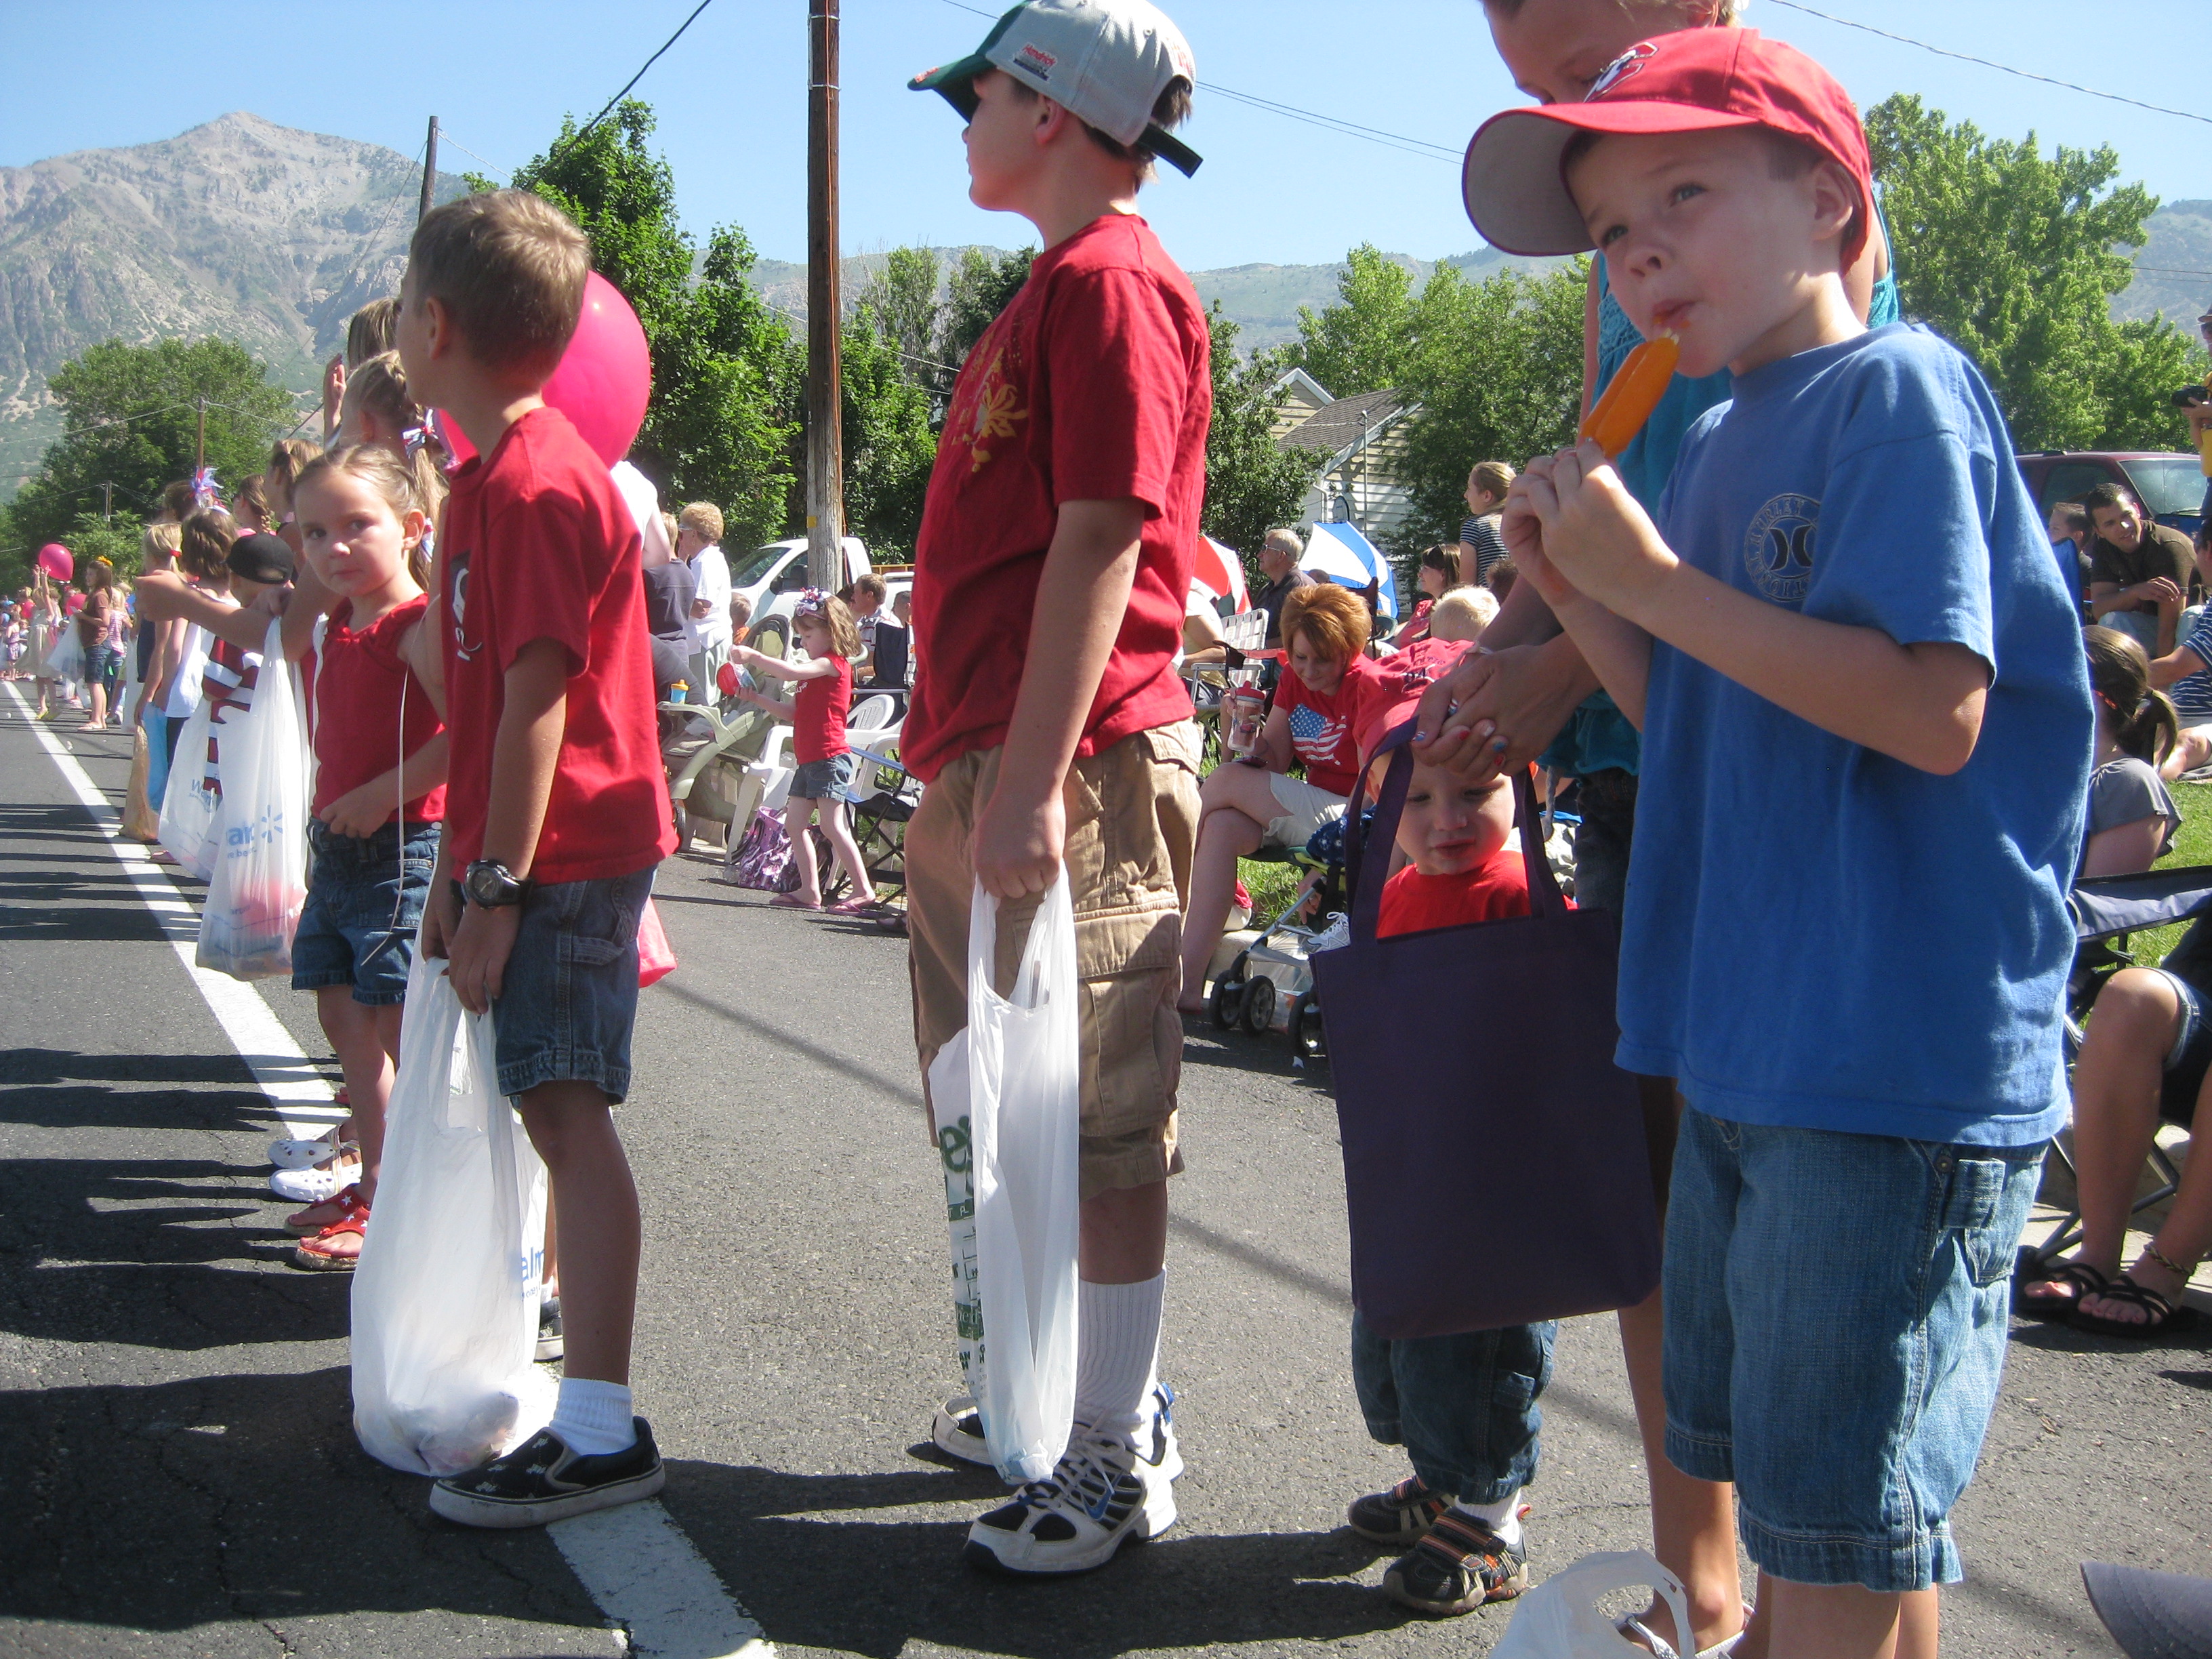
[
  {"x": 2106, "y": 909},
  {"x": 1270, "y": 986}
]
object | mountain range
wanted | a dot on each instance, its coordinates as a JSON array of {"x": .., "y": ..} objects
[{"x": 273, "y": 237}]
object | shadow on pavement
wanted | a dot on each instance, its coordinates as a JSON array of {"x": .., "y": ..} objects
[
  {"x": 234, "y": 1497},
  {"x": 802, "y": 1575}
]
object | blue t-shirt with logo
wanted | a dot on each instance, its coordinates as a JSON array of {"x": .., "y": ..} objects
[
  {"x": 2192, "y": 694},
  {"x": 1816, "y": 935}
]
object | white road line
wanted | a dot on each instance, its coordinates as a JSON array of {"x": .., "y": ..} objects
[
  {"x": 646, "y": 1576},
  {"x": 635, "y": 1562},
  {"x": 295, "y": 1088}
]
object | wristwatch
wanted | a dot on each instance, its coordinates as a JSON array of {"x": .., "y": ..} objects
[{"x": 491, "y": 883}]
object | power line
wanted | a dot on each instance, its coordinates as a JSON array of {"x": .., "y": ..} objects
[
  {"x": 1398, "y": 141},
  {"x": 505, "y": 172},
  {"x": 1967, "y": 58},
  {"x": 635, "y": 78}
]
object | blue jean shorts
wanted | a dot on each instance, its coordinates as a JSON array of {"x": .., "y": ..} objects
[
  {"x": 1464, "y": 1408},
  {"x": 823, "y": 779},
  {"x": 568, "y": 998},
  {"x": 2190, "y": 1058},
  {"x": 1837, "y": 1312},
  {"x": 364, "y": 903}
]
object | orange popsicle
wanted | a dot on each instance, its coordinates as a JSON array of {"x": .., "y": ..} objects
[{"x": 1636, "y": 391}]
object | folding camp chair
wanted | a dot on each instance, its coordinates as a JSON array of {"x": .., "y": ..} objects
[
  {"x": 2106, "y": 909},
  {"x": 881, "y": 799}
]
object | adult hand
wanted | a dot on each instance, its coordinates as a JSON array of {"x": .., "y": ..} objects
[
  {"x": 1018, "y": 841},
  {"x": 1498, "y": 711},
  {"x": 1595, "y": 534},
  {"x": 2158, "y": 590},
  {"x": 477, "y": 963},
  {"x": 334, "y": 379},
  {"x": 359, "y": 812}
]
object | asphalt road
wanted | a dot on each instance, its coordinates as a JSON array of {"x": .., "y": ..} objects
[{"x": 180, "y": 1475}]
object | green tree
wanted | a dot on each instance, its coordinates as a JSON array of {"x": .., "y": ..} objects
[
  {"x": 1365, "y": 342},
  {"x": 1252, "y": 484},
  {"x": 727, "y": 375},
  {"x": 130, "y": 419},
  {"x": 2013, "y": 258},
  {"x": 902, "y": 302},
  {"x": 977, "y": 291}
]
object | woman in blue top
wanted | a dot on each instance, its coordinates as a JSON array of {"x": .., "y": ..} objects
[{"x": 1533, "y": 697}]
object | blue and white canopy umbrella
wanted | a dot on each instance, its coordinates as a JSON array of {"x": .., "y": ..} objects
[{"x": 1339, "y": 553}]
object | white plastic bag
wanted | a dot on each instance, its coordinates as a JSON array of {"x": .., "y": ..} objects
[
  {"x": 445, "y": 1300},
  {"x": 188, "y": 805},
  {"x": 1560, "y": 1618},
  {"x": 1014, "y": 1074},
  {"x": 259, "y": 879},
  {"x": 66, "y": 660}
]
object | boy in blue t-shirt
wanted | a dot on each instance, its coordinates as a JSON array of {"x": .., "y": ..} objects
[{"x": 1866, "y": 736}]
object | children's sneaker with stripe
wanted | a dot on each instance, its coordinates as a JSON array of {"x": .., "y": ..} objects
[
  {"x": 1459, "y": 1564},
  {"x": 1401, "y": 1516},
  {"x": 543, "y": 1480},
  {"x": 1101, "y": 1495},
  {"x": 959, "y": 1432}
]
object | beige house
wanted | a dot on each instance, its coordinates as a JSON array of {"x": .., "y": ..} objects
[{"x": 1362, "y": 441}]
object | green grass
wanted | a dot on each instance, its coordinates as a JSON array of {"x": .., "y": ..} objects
[
  {"x": 1271, "y": 887},
  {"x": 2192, "y": 845}
]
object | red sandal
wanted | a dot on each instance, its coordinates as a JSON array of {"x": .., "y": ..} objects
[
  {"x": 345, "y": 1200},
  {"x": 314, "y": 1254}
]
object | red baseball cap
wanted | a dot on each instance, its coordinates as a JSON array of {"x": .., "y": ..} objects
[
  {"x": 1401, "y": 681},
  {"x": 1695, "y": 80}
]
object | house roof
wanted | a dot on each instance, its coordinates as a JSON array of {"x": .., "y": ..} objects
[
  {"x": 1344, "y": 422},
  {"x": 1307, "y": 389}
]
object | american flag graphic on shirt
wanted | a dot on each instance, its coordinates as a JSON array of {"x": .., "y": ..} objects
[{"x": 1316, "y": 735}]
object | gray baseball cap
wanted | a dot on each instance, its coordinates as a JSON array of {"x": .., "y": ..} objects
[{"x": 1106, "y": 62}]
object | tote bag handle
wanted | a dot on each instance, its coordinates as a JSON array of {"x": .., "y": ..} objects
[{"x": 1545, "y": 898}]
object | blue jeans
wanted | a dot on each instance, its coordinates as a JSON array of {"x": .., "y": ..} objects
[
  {"x": 1464, "y": 1408},
  {"x": 568, "y": 998},
  {"x": 1836, "y": 1314}
]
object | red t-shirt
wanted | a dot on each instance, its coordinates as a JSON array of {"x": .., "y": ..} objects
[
  {"x": 818, "y": 717},
  {"x": 1493, "y": 890},
  {"x": 359, "y": 677},
  {"x": 537, "y": 544},
  {"x": 1325, "y": 730},
  {"x": 1092, "y": 385}
]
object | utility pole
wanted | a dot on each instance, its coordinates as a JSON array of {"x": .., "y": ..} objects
[
  {"x": 106, "y": 503},
  {"x": 825, "y": 447},
  {"x": 429, "y": 170},
  {"x": 199, "y": 449}
]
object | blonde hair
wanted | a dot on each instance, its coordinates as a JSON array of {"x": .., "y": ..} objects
[
  {"x": 1493, "y": 477},
  {"x": 1285, "y": 541},
  {"x": 369, "y": 334},
  {"x": 379, "y": 387},
  {"x": 288, "y": 459},
  {"x": 510, "y": 267},
  {"x": 1462, "y": 613},
  {"x": 204, "y": 541},
  {"x": 160, "y": 541},
  {"x": 704, "y": 518},
  {"x": 389, "y": 477},
  {"x": 1333, "y": 619}
]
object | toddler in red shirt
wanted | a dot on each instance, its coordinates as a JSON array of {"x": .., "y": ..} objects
[
  {"x": 556, "y": 805},
  {"x": 824, "y": 629}
]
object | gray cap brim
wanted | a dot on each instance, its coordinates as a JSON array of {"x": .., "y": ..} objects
[{"x": 2151, "y": 1615}]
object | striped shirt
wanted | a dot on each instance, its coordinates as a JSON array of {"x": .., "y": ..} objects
[{"x": 2192, "y": 695}]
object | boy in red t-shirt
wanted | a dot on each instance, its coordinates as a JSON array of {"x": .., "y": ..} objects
[
  {"x": 1048, "y": 719},
  {"x": 557, "y": 806}
]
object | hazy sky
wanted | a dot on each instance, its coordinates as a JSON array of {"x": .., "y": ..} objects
[{"x": 730, "y": 96}]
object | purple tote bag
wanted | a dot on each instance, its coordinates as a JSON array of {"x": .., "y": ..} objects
[{"x": 1476, "y": 1099}]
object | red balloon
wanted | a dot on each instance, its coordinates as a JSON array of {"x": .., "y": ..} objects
[
  {"x": 54, "y": 559},
  {"x": 603, "y": 381}
]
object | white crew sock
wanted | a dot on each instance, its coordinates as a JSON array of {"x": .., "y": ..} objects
[
  {"x": 1117, "y": 1351},
  {"x": 1503, "y": 1517},
  {"x": 594, "y": 1418}
]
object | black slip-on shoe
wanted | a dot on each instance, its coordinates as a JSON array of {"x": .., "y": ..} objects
[{"x": 543, "y": 1480}]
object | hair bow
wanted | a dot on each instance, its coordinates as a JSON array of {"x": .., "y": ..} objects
[
  {"x": 205, "y": 491},
  {"x": 812, "y": 602}
]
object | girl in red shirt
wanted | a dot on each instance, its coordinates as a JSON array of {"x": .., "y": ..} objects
[{"x": 831, "y": 639}]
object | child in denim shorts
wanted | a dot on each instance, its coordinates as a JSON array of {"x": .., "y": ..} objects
[
  {"x": 556, "y": 809},
  {"x": 1866, "y": 722}
]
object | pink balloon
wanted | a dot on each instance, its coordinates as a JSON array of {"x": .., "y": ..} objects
[
  {"x": 54, "y": 559},
  {"x": 601, "y": 383}
]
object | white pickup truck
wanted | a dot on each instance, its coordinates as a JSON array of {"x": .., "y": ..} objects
[{"x": 775, "y": 576}]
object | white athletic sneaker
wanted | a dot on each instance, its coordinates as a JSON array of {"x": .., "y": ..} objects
[
  {"x": 1100, "y": 1495},
  {"x": 313, "y": 1186},
  {"x": 958, "y": 1431}
]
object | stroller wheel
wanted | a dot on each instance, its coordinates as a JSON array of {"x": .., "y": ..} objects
[
  {"x": 1227, "y": 1001},
  {"x": 1306, "y": 1033},
  {"x": 1260, "y": 1006}
]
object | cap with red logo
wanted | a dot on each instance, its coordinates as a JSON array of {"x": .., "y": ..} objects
[
  {"x": 1106, "y": 62},
  {"x": 1697, "y": 80},
  {"x": 1401, "y": 681}
]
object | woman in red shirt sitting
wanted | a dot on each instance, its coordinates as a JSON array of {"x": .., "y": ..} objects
[
  {"x": 825, "y": 629},
  {"x": 1253, "y": 802}
]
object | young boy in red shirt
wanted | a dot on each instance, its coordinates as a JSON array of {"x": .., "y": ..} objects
[
  {"x": 556, "y": 807},
  {"x": 1048, "y": 721}
]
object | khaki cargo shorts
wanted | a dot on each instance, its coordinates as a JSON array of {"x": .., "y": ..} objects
[{"x": 1131, "y": 823}]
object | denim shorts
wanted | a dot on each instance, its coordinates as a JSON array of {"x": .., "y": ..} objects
[
  {"x": 364, "y": 903},
  {"x": 568, "y": 998},
  {"x": 823, "y": 779},
  {"x": 2188, "y": 1059},
  {"x": 1837, "y": 1312},
  {"x": 1464, "y": 1408}
]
